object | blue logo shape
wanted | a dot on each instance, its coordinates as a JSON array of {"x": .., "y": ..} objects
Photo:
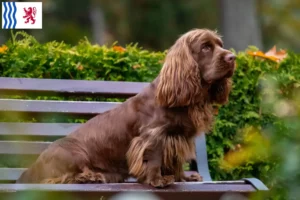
[
  {"x": 5, "y": 14},
  {"x": 14, "y": 15},
  {"x": 9, "y": 15}
]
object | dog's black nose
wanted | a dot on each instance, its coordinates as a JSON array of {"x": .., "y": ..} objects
[{"x": 229, "y": 58}]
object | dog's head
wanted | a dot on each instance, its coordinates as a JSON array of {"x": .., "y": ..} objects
[{"x": 197, "y": 68}]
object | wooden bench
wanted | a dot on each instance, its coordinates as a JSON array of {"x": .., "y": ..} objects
[{"x": 24, "y": 140}]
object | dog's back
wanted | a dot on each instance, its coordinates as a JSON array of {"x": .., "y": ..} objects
[{"x": 27, "y": 176}]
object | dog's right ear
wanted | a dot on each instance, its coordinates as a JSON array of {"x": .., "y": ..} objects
[{"x": 179, "y": 78}]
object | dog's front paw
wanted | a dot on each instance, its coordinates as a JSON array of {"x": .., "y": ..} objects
[
  {"x": 195, "y": 177},
  {"x": 163, "y": 181}
]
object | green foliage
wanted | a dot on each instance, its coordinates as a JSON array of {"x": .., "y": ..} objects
[
  {"x": 28, "y": 58},
  {"x": 256, "y": 129},
  {"x": 252, "y": 134}
]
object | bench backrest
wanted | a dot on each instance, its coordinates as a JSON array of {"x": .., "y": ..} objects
[{"x": 22, "y": 140}]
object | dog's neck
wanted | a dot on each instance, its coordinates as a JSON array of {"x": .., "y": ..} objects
[{"x": 200, "y": 113}]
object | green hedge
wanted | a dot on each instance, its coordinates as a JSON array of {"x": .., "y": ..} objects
[
  {"x": 28, "y": 58},
  {"x": 247, "y": 131}
]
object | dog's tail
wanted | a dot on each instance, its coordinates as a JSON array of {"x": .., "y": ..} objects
[
  {"x": 33, "y": 174},
  {"x": 27, "y": 176}
]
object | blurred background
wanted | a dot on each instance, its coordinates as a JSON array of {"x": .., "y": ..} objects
[{"x": 155, "y": 24}]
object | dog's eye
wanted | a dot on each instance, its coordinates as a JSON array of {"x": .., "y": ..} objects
[{"x": 206, "y": 48}]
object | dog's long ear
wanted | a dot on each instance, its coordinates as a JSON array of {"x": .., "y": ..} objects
[
  {"x": 219, "y": 91},
  {"x": 179, "y": 78}
]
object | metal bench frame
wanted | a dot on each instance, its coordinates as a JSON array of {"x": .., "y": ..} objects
[{"x": 207, "y": 189}]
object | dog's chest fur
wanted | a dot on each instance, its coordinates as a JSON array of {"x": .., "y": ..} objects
[{"x": 178, "y": 143}]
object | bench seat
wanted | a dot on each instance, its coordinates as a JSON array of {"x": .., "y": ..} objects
[{"x": 22, "y": 140}]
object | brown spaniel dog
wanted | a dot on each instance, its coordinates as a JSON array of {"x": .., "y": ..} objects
[{"x": 151, "y": 135}]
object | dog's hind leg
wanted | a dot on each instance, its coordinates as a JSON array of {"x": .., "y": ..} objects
[
  {"x": 112, "y": 177},
  {"x": 86, "y": 176},
  {"x": 89, "y": 176},
  {"x": 65, "y": 179}
]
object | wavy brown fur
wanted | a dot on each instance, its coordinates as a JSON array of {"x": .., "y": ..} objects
[{"x": 151, "y": 135}]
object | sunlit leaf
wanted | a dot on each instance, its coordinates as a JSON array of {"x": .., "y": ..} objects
[{"x": 272, "y": 54}]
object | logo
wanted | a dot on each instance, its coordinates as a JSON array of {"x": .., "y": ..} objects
[
  {"x": 30, "y": 14},
  {"x": 22, "y": 15}
]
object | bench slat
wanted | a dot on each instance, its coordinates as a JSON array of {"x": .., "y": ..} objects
[
  {"x": 12, "y": 174},
  {"x": 178, "y": 186},
  {"x": 22, "y": 147},
  {"x": 44, "y": 106},
  {"x": 178, "y": 191},
  {"x": 21, "y": 86},
  {"x": 130, "y": 191},
  {"x": 37, "y": 129}
]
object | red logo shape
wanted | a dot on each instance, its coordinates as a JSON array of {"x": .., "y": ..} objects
[{"x": 30, "y": 14}]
